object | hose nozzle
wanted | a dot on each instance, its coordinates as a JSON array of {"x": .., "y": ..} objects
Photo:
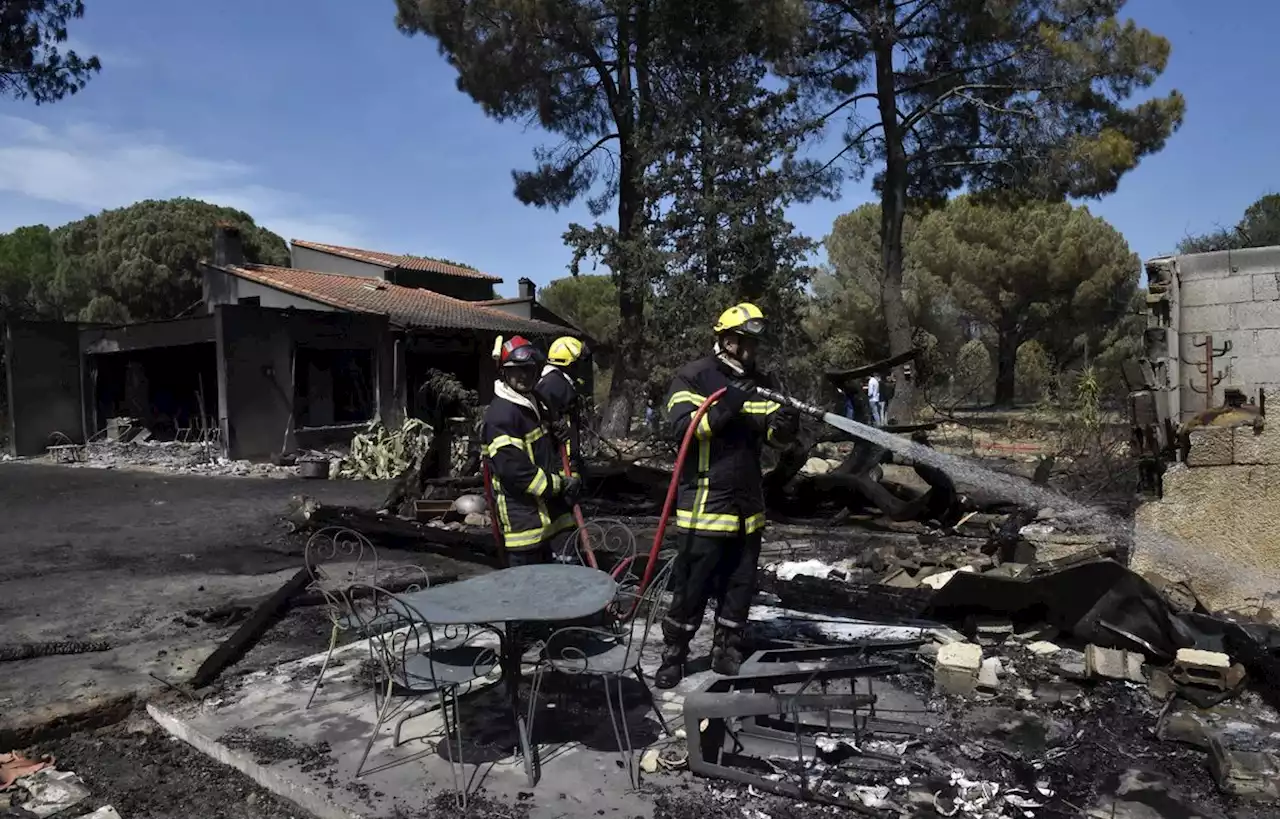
[{"x": 786, "y": 400}]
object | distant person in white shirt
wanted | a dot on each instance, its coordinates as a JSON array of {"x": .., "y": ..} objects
[{"x": 873, "y": 397}]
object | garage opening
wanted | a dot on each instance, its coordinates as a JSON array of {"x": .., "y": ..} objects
[
  {"x": 171, "y": 391},
  {"x": 333, "y": 387}
]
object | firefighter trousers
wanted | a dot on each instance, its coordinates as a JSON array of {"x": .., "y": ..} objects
[
  {"x": 540, "y": 553},
  {"x": 706, "y": 567}
]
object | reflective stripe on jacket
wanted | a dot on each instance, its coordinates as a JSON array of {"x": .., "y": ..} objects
[
  {"x": 558, "y": 394},
  {"x": 526, "y": 470},
  {"x": 721, "y": 488}
]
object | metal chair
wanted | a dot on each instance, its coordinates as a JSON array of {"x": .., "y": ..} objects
[
  {"x": 609, "y": 655},
  {"x": 359, "y": 561},
  {"x": 416, "y": 661}
]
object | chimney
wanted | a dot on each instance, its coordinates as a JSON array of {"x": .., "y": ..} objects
[
  {"x": 227, "y": 247},
  {"x": 528, "y": 290}
]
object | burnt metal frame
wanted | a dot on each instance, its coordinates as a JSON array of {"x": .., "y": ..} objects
[{"x": 734, "y": 708}]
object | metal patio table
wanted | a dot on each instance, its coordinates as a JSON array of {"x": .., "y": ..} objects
[{"x": 545, "y": 593}]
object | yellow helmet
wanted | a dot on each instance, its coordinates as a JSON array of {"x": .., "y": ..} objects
[
  {"x": 743, "y": 318},
  {"x": 565, "y": 351}
]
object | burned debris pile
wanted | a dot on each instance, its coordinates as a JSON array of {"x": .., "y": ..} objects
[{"x": 1068, "y": 688}]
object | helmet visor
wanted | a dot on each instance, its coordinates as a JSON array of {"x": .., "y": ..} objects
[
  {"x": 754, "y": 327},
  {"x": 522, "y": 356}
]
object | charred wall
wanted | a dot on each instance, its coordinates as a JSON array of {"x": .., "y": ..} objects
[{"x": 260, "y": 352}]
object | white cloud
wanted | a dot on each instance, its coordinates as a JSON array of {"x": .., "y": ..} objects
[{"x": 92, "y": 168}]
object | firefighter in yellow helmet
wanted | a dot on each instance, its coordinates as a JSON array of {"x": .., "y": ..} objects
[
  {"x": 559, "y": 388},
  {"x": 720, "y": 505}
]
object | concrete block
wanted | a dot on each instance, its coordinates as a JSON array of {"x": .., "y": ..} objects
[
  {"x": 1245, "y": 774},
  {"x": 1266, "y": 286},
  {"x": 1226, "y": 290},
  {"x": 1211, "y": 669},
  {"x": 1212, "y": 446},
  {"x": 1257, "y": 315},
  {"x": 1265, "y": 342},
  {"x": 989, "y": 674},
  {"x": 1229, "y": 262},
  {"x": 1249, "y": 368},
  {"x": 957, "y": 668},
  {"x": 1042, "y": 648},
  {"x": 1210, "y": 318},
  {"x": 1258, "y": 446},
  {"x": 1113, "y": 664}
]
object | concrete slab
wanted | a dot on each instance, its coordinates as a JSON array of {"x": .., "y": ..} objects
[
  {"x": 259, "y": 725},
  {"x": 252, "y": 725}
]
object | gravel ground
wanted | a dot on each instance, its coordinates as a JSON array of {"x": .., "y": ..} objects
[
  {"x": 120, "y": 556},
  {"x": 144, "y": 773}
]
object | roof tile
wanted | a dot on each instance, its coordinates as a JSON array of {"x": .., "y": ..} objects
[
  {"x": 398, "y": 260},
  {"x": 406, "y": 306}
]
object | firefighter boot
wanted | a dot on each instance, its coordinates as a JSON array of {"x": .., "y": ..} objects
[
  {"x": 675, "y": 652},
  {"x": 726, "y": 651}
]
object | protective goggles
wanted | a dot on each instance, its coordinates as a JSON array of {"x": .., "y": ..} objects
[{"x": 753, "y": 327}]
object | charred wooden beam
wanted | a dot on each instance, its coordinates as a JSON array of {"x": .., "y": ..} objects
[{"x": 849, "y": 599}]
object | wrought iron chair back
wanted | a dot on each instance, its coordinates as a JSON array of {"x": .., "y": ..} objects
[
  {"x": 412, "y": 636},
  {"x": 337, "y": 545}
]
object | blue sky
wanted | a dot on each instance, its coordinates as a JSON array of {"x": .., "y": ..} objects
[{"x": 327, "y": 124}]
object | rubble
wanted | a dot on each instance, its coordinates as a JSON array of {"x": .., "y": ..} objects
[
  {"x": 1246, "y": 774},
  {"x": 47, "y": 792},
  {"x": 175, "y": 457}
]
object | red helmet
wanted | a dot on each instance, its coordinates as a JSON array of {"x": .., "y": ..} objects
[{"x": 518, "y": 351}]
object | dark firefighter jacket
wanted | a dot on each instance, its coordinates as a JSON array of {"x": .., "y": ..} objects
[
  {"x": 721, "y": 488},
  {"x": 525, "y": 469},
  {"x": 559, "y": 395}
]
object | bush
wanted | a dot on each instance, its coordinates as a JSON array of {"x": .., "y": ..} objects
[
  {"x": 973, "y": 373},
  {"x": 1032, "y": 372}
]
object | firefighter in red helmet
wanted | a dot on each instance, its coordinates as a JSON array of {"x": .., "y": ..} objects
[{"x": 530, "y": 489}]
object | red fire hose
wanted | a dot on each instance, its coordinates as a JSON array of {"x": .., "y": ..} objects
[
  {"x": 583, "y": 537},
  {"x": 651, "y": 564},
  {"x": 493, "y": 513}
]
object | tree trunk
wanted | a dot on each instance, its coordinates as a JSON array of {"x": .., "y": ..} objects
[
  {"x": 628, "y": 269},
  {"x": 1006, "y": 365},
  {"x": 893, "y": 211}
]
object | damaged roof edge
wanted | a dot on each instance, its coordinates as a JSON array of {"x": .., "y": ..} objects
[{"x": 405, "y": 307}]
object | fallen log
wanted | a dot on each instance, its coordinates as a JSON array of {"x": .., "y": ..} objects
[
  {"x": 471, "y": 547},
  {"x": 234, "y": 647},
  {"x": 29, "y": 651}
]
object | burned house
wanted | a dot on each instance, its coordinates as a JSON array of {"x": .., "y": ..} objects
[{"x": 282, "y": 358}]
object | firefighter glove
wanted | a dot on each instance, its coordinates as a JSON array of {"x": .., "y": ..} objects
[
  {"x": 571, "y": 489},
  {"x": 560, "y": 429},
  {"x": 786, "y": 421}
]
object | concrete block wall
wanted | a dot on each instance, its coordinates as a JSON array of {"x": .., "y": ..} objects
[
  {"x": 1214, "y": 528},
  {"x": 1235, "y": 297},
  {"x": 1247, "y": 446}
]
